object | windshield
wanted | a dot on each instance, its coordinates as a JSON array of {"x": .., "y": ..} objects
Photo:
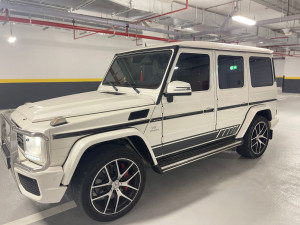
[{"x": 142, "y": 70}]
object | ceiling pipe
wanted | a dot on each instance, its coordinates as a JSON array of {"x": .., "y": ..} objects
[
  {"x": 81, "y": 28},
  {"x": 226, "y": 21},
  {"x": 278, "y": 38},
  {"x": 164, "y": 14},
  {"x": 258, "y": 23},
  {"x": 278, "y": 46},
  {"x": 281, "y": 54},
  {"x": 37, "y": 10}
]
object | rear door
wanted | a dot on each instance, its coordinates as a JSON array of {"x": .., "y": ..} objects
[{"x": 232, "y": 91}]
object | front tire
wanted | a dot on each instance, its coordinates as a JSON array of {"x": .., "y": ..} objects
[
  {"x": 256, "y": 138},
  {"x": 109, "y": 184}
]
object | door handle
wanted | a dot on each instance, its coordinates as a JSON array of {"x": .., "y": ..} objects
[{"x": 207, "y": 110}]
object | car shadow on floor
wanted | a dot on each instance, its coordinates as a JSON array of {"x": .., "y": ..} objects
[{"x": 173, "y": 190}]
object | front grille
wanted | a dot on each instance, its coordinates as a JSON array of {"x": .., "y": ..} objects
[
  {"x": 29, "y": 184},
  {"x": 20, "y": 140}
]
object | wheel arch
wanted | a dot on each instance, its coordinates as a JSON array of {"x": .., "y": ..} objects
[
  {"x": 88, "y": 144},
  {"x": 259, "y": 110}
]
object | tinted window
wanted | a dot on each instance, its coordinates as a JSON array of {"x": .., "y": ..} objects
[
  {"x": 193, "y": 69},
  {"x": 231, "y": 71},
  {"x": 261, "y": 71},
  {"x": 142, "y": 70}
]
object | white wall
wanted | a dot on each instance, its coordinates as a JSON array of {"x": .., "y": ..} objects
[
  {"x": 279, "y": 65},
  {"x": 292, "y": 67},
  {"x": 53, "y": 53}
]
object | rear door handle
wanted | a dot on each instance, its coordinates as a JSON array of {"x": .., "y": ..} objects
[{"x": 207, "y": 110}]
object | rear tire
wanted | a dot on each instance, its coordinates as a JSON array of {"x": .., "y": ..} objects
[
  {"x": 256, "y": 138},
  {"x": 109, "y": 184}
]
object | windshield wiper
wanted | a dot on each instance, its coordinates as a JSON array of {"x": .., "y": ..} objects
[
  {"x": 130, "y": 84},
  {"x": 111, "y": 84},
  {"x": 130, "y": 76},
  {"x": 133, "y": 87}
]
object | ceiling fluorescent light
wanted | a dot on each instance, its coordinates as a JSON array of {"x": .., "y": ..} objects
[
  {"x": 12, "y": 39},
  {"x": 244, "y": 20}
]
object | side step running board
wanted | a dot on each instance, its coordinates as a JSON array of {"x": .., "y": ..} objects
[{"x": 188, "y": 156}]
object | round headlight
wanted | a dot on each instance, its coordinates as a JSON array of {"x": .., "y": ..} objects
[{"x": 35, "y": 149}]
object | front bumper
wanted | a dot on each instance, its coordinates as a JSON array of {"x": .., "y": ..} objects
[
  {"x": 48, "y": 184},
  {"x": 39, "y": 183}
]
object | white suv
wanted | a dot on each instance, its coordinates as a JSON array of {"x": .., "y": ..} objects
[{"x": 162, "y": 107}]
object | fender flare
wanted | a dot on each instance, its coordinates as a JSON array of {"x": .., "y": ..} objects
[
  {"x": 83, "y": 144},
  {"x": 249, "y": 117}
]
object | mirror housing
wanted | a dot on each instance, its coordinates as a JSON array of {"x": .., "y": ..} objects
[{"x": 178, "y": 88}]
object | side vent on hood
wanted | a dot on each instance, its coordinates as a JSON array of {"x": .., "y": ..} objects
[{"x": 138, "y": 114}]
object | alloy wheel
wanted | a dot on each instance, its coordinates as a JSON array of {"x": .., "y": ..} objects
[
  {"x": 115, "y": 186},
  {"x": 259, "y": 137}
]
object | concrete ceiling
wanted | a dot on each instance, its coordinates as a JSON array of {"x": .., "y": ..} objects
[{"x": 204, "y": 18}]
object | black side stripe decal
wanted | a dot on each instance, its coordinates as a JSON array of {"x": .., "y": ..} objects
[
  {"x": 245, "y": 104},
  {"x": 125, "y": 125},
  {"x": 199, "y": 139},
  {"x": 182, "y": 115},
  {"x": 99, "y": 130},
  {"x": 232, "y": 106},
  {"x": 259, "y": 102}
]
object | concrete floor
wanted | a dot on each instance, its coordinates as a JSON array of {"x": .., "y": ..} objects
[{"x": 223, "y": 189}]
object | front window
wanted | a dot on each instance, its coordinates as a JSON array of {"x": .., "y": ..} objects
[{"x": 141, "y": 70}]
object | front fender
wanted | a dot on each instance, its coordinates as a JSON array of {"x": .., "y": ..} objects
[
  {"x": 249, "y": 117},
  {"x": 83, "y": 144}
]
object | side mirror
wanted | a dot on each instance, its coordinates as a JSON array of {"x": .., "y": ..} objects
[{"x": 177, "y": 88}]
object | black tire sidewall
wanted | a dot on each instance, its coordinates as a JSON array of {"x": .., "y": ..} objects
[
  {"x": 249, "y": 134},
  {"x": 114, "y": 152}
]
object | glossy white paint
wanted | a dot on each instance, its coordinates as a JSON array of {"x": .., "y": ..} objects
[
  {"x": 96, "y": 110},
  {"x": 250, "y": 115},
  {"x": 80, "y": 105},
  {"x": 179, "y": 87},
  {"x": 214, "y": 46},
  {"x": 49, "y": 181},
  {"x": 83, "y": 144},
  {"x": 201, "y": 100},
  {"x": 231, "y": 97}
]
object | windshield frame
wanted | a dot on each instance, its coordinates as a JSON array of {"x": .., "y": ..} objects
[{"x": 138, "y": 52}]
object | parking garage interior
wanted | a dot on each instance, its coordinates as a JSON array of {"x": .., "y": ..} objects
[{"x": 53, "y": 48}]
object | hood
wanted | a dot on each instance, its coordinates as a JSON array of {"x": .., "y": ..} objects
[{"x": 81, "y": 104}]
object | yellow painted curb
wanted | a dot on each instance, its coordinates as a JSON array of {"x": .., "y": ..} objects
[
  {"x": 3, "y": 81},
  {"x": 292, "y": 78}
]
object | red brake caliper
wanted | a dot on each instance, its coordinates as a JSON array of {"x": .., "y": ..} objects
[{"x": 125, "y": 175}]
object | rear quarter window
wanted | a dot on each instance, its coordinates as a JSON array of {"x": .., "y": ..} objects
[{"x": 261, "y": 71}]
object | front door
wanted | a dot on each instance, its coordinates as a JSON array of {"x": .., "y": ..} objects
[{"x": 189, "y": 121}]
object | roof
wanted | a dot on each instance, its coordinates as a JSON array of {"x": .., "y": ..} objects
[{"x": 212, "y": 45}]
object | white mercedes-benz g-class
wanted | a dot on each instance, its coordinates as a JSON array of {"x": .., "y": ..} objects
[{"x": 162, "y": 107}]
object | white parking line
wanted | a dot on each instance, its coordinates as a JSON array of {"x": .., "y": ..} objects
[{"x": 44, "y": 214}]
